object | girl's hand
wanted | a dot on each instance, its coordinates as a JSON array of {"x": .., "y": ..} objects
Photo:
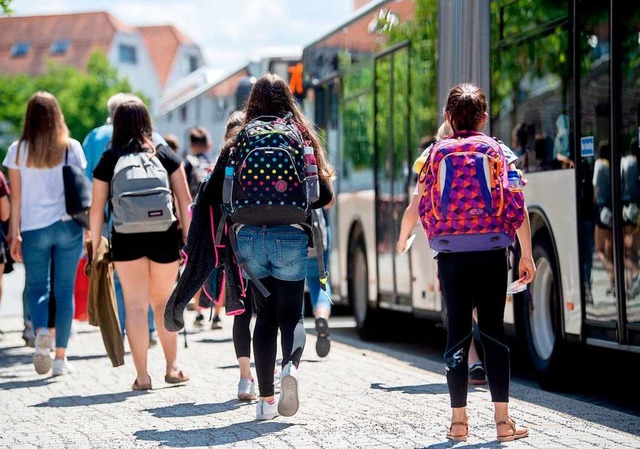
[
  {"x": 527, "y": 269},
  {"x": 15, "y": 248},
  {"x": 402, "y": 244}
]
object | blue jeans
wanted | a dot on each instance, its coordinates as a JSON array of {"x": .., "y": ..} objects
[
  {"x": 277, "y": 251},
  {"x": 61, "y": 243}
]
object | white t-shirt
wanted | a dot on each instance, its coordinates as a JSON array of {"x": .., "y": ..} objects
[{"x": 42, "y": 188}]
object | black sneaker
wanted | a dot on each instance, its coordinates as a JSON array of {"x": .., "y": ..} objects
[
  {"x": 323, "y": 343},
  {"x": 199, "y": 321},
  {"x": 477, "y": 374},
  {"x": 216, "y": 323}
]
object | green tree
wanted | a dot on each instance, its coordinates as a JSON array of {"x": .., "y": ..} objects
[
  {"x": 5, "y": 5},
  {"x": 82, "y": 95}
]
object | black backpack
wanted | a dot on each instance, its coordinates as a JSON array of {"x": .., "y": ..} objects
[{"x": 271, "y": 177}]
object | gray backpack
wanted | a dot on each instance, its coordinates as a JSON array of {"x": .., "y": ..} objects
[{"x": 141, "y": 197}]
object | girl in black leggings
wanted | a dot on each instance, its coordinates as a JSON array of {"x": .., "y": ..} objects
[
  {"x": 478, "y": 279},
  {"x": 276, "y": 255}
]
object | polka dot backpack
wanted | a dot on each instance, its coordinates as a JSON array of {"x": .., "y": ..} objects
[{"x": 271, "y": 177}]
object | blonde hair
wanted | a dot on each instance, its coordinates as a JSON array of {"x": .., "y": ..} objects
[
  {"x": 444, "y": 131},
  {"x": 45, "y": 132}
]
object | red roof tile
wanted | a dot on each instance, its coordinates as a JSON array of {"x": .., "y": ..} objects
[
  {"x": 162, "y": 43},
  {"x": 86, "y": 32}
]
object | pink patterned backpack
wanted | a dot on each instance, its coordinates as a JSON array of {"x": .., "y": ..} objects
[{"x": 468, "y": 204}]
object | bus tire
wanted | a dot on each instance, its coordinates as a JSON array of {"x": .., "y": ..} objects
[
  {"x": 541, "y": 318},
  {"x": 366, "y": 317}
]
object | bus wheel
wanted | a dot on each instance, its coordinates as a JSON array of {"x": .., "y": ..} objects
[
  {"x": 541, "y": 319},
  {"x": 365, "y": 316}
]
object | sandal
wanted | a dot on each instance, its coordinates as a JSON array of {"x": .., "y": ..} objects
[
  {"x": 140, "y": 387},
  {"x": 515, "y": 434},
  {"x": 458, "y": 438},
  {"x": 176, "y": 379}
]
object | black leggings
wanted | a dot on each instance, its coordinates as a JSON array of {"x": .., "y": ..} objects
[
  {"x": 468, "y": 280},
  {"x": 241, "y": 330},
  {"x": 282, "y": 309}
]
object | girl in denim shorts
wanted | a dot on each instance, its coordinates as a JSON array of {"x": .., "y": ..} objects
[{"x": 277, "y": 256}]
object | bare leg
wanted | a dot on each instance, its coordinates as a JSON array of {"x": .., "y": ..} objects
[
  {"x": 134, "y": 277},
  {"x": 245, "y": 367},
  {"x": 161, "y": 278}
]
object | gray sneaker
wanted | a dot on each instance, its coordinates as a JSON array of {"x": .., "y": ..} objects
[
  {"x": 41, "y": 359},
  {"x": 28, "y": 336},
  {"x": 289, "y": 403}
]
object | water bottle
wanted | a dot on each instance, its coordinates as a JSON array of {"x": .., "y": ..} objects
[
  {"x": 227, "y": 185},
  {"x": 310, "y": 164},
  {"x": 515, "y": 183},
  {"x": 311, "y": 174}
]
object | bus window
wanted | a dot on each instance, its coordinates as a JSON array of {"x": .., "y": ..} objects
[
  {"x": 531, "y": 82},
  {"x": 630, "y": 25}
]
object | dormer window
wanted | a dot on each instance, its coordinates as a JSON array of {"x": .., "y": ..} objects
[
  {"x": 60, "y": 47},
  {"x": 127, "y": 54},
  {"x": 20, "y": 49}
]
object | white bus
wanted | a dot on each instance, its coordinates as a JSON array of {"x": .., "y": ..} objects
[{"x": 564, "y": 83}]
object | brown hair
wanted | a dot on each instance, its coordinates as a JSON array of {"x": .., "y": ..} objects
[
  {"x": 44, "y": 131},
  {"x": 173, "y": 142},
  {"x": 199, "y": 136},
  {"x": 132, "y": 128},
  {"x": 270, "y": 96},
  {"x": 466, "y": 105}
]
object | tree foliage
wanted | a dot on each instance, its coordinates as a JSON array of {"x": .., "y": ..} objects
[
  {"x": 414, "y": 85},
  {"x": 82, "y": 95},
  {"x": 5, "y": 5}
]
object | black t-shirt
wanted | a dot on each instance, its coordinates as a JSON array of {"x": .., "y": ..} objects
[{"x": 107, "y": 164}]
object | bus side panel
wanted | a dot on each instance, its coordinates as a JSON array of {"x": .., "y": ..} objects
[
  {"x": 426, "y": 288},
  {"x": 357, "y": 207},
  {"x": 561, "y": 214}
]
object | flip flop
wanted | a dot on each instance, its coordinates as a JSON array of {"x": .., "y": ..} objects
[
  {"x": 180, "y": 378},
  {"x": 141, "y": 387}
]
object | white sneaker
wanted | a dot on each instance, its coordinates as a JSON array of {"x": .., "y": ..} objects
[
  {"x": 61, "y": 367},
  {"x": 42, "y": 359},
  {"x": 265, "y": 411},
  {"x": 289, "y": 403},
  {"x": 246, "y": 389}
]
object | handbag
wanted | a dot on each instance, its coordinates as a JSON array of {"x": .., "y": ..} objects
[{"x": 77, "y": 192}]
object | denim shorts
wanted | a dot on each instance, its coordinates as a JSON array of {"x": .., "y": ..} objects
[{"x": 278, "y": 251}]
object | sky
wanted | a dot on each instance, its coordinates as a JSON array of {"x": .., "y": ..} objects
[{"x": 229, "y": 32}]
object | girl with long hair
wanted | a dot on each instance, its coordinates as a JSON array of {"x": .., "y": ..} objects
[
  {"x": 41, "y": 233},
  {"x": 281, "y": 272},
  {"x": 147, "y": 263}
]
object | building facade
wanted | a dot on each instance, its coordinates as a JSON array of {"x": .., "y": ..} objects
[{"x": 151, "y": 58}]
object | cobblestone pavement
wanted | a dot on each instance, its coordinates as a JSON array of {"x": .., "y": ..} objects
[{"x": 357, "y": 397}]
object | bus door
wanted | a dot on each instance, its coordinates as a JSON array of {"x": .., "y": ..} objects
[
  {"x": 607, "y": 46},
  {"x": 392, "y": 166}
]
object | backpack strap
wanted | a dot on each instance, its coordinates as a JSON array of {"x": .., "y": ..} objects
[
  {"x": 316, "y": 235},
  {"x": 242, "y": 263}
]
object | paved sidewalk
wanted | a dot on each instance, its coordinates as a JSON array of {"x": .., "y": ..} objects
[{"x": 357, "y": 397}]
